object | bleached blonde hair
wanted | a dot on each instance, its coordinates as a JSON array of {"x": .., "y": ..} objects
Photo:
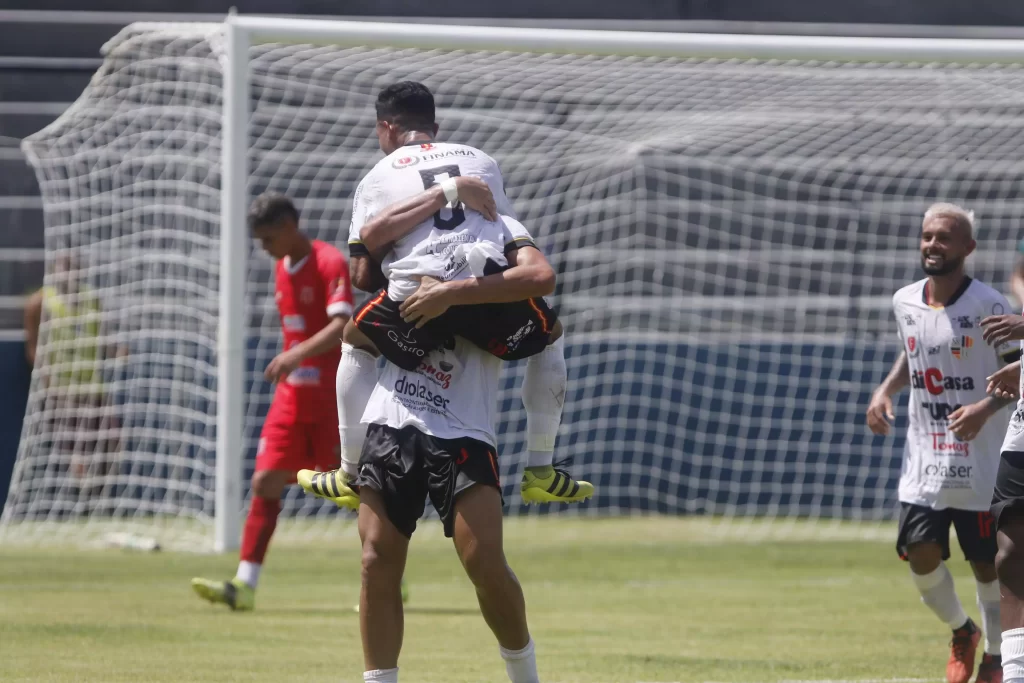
[{"x": 958, "y": 213}]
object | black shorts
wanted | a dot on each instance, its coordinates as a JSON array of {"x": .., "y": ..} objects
[
  {"x": 398, "y": 341},
  {"x": 405, "y": 466},
  {"x": 510, "y": 331},
  {"x": 1008, "y": 496},
  {"x": 975, "y": 531}
]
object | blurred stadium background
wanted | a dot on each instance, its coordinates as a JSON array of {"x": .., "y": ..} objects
[{"x": 50, "y": 50}]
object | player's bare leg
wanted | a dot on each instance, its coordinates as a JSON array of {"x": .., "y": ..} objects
[
  {"x": 478, "y": 541},
  {"x": 1010, "y": 569},
  {"x": 990, "y": 670},
  {"x": 240, "y": 592},
  {"x": 938, "y": 593},
  {"x": 381, "y": 618}
]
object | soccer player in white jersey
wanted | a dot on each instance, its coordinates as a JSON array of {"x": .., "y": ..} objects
[
  {"x": 405, "y": 323},
  {"x": 952, "y": 446},
  {"x": 431, "y": 433},
  {"x": 1008, "y": 501}
]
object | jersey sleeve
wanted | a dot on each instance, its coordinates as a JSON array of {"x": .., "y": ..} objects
[
  {"x": 496, "y": 182},
  {"x": 338, "y": 290},
  {"x": 896, "y": 314},
  {"x": 363, "y": 210},
  {"x": 516, "y": 235}
]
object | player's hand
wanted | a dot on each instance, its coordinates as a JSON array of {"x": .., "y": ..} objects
[
  {"x": 966, "y": 421},
  {"x": 1004, "y": 383},
  {"x": 283, "y": 365},
  {"x": 426, "y": 303},
  {"x": 879, "y": 414},
  {"x": 999, "y": 329},
  {"x": 476, "y": 194}
]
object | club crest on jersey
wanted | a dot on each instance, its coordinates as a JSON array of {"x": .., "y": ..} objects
[
  {"x": 405, "y": 162},
  {"x": 960, "y": 345},
  {"x": 912, "y": 348},
  {"x": 307, "y": 296}
]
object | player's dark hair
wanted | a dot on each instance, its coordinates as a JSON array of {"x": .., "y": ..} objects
[
  {"x": 269, "y": 208},
  {"x": 408, "y": 105}
]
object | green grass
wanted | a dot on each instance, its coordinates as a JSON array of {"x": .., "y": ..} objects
[{"x": 609, "y": 600}]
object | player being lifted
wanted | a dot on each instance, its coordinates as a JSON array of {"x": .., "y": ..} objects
[
  {"x": 314, "y": 299},
  {"x": 952, "y": 447},
  {"x": 432, "y": 434},
  {"x": 426, "y": 265}
]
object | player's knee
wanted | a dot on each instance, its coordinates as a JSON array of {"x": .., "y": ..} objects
[
  {"x": 268, "y": 484},
  {"x": 556, "y": 332},
  {"x": 1010, "y": 563},
  {"x": 924, "y": 558},
  {"x": 485, "y": 565},
  {"x": 353, "y": 337},
  {"x": 380, "y": 564}
]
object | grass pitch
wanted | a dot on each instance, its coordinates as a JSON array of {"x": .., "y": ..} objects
[{"x": 617, "y": 600}]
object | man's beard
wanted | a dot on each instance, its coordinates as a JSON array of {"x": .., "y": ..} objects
[{"x": 948, "y": 266}]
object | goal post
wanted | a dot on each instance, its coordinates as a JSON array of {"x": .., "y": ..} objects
[{"x": 728, "y": 215}]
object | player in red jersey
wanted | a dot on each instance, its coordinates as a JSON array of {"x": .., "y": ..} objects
[{"x": 314, "y": 299}]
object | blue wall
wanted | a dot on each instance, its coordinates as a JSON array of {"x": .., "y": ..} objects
[{"x": 14, "y": 379}]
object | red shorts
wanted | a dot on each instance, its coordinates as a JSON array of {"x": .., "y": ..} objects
[{"x": 287, "y": 444}]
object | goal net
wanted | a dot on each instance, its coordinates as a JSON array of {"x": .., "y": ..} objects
[{"x": 727, "y": 233}]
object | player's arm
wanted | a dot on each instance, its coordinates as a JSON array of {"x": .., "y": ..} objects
[
  {"x": 529, "y": 275},
  {"x": 399, "y": 219},
  {"x": 879, "y": 413},
  {"x": 1017, "y": 277},
  {"x": 33, "y": 316}
]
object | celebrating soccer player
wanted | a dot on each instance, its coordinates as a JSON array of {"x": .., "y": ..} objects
[
  {"x": 952, "y": 447},
  {"x": 422, "y": 267},
  {"x": 314, "y": 299},
  {"x": 434, "y": 436},
  {"x": 1008, "y": 502}
]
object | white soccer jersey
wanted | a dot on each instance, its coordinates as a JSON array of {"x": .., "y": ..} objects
[
  {"x": 1014, "y": 440},
  {"x": 437, "y": 247},
  {"x": 453, "y": 394},
  {"x": 949, "y": 363}
]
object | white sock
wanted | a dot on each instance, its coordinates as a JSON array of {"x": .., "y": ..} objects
[
  {"x": 357, "y": 375},
  {"x": 381, "y": 676},
  {"x": 939, "y": 594},
  {"x": 543, "y": 396},
  {"x": 988, "y": 604},
  {"x": 521, "y": 665},
  {"x": 1013, "y": 655},
  {"x": 248, "y": 573}
]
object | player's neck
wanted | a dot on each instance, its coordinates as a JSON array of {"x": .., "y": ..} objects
[
  {"x": 414, "y": 136},
  {"x": 300, "y": 250},
  {"x": 940, "y": 288}
]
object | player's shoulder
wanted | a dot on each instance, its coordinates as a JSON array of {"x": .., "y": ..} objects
[
  {"x": 326, "y": 255},
  {"x": 986, "y": 296},
  {"x": 912, "y": 293}
]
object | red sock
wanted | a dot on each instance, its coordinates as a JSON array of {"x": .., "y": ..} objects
[{"x": 259, "y": 527}]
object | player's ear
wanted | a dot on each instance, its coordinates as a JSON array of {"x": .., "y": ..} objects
[
  {"x": 971, "y": 246},
  {"x": 436, "y": 128}
]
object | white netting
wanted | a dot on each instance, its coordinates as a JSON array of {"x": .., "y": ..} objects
[{"x": 727, "y": 233}]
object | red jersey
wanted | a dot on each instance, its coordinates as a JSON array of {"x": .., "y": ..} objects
[{"x": 308, "y": 294}]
